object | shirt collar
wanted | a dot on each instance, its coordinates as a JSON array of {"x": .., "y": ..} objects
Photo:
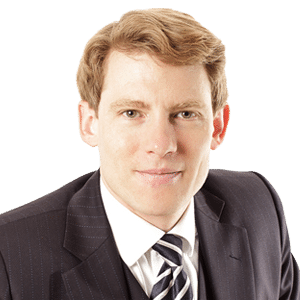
[{"x": 130, "y": 229}]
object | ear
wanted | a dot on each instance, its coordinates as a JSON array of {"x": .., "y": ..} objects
[
  {"x": 220, "y": 125},
  {"x": 88, "y": 124}
]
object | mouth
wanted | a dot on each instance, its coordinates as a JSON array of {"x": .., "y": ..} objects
[
  {"x": 162, "y": 171},
  {"x": 160, "y": 177}
]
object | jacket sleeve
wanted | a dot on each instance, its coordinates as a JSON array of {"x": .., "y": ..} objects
[
  {"x": 4, "y": 284},
  {"x": 290, "y": 282}
]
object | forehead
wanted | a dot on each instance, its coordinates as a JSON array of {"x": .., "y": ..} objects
[{"x": 144, "y": 76}]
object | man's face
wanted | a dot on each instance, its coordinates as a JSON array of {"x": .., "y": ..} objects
[{"x": 155, "y": 130}]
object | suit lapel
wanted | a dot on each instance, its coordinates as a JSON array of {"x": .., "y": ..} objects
[
  {"x": 224, "y": 252},
  {"x": 88, "y": 236}
]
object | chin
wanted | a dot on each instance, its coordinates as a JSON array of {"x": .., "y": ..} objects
[
  {"x": 162, "y": 205},
  {"x": 156, "y": 212}
]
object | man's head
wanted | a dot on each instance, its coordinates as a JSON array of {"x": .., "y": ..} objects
[
  {"x": 173, "y": 37},
  {"x": 156, "y": 121}
]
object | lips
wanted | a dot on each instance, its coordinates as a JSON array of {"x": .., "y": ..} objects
[
  {"x": 159, "y": 171},
  {"x": 159, "y": 177}
]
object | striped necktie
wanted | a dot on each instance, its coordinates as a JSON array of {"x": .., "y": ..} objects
[{"x": 172, "y": 282}]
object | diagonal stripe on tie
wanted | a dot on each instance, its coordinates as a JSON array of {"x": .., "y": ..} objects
[
  {"x": 172, "y": 282},
  {"x": 172, "y": 239}
]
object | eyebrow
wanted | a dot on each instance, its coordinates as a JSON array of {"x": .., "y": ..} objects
[
  {"x": 142, "y": 105},
  {"x": 129, "y": 103}
]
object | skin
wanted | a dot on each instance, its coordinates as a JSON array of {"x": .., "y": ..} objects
[{"x": 156, "y": 132}]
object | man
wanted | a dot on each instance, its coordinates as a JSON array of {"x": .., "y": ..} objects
[{"x": 153, "y": 222}]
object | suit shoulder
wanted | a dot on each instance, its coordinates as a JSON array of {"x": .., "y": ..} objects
[
  {"x": 54, "y": 201},
  {"x": 247, "y": 195},
  {"x": 224, "y": 181}
]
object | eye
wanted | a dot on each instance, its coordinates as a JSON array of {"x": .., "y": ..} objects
[
  {"x": 131, "y": 114},
  {"x": 187, "y": 114}
]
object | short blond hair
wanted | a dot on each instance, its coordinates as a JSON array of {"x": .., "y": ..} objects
[{"x": 173, "y": 37}]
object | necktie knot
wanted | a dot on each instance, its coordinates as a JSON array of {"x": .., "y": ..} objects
[{"x": 170, "y": 248}]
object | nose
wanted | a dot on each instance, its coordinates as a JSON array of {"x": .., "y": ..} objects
[{"x": 160, "y": 137}]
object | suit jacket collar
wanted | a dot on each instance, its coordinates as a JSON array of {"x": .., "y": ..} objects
[
  {"x": 224, "y": 250},
  {"x": 210, "y": 205}
]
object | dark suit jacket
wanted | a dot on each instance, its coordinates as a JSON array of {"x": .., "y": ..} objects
[{"x": 61, "y": 246}]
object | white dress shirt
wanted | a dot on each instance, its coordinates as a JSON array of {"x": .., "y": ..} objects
[{"x": 135, "y": 237}]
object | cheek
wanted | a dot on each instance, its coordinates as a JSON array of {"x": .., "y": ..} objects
[
  {"x": 196, "y": 152},
  {"x": 117, "y": 145},
  {"x": 196, "y": 144}
]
